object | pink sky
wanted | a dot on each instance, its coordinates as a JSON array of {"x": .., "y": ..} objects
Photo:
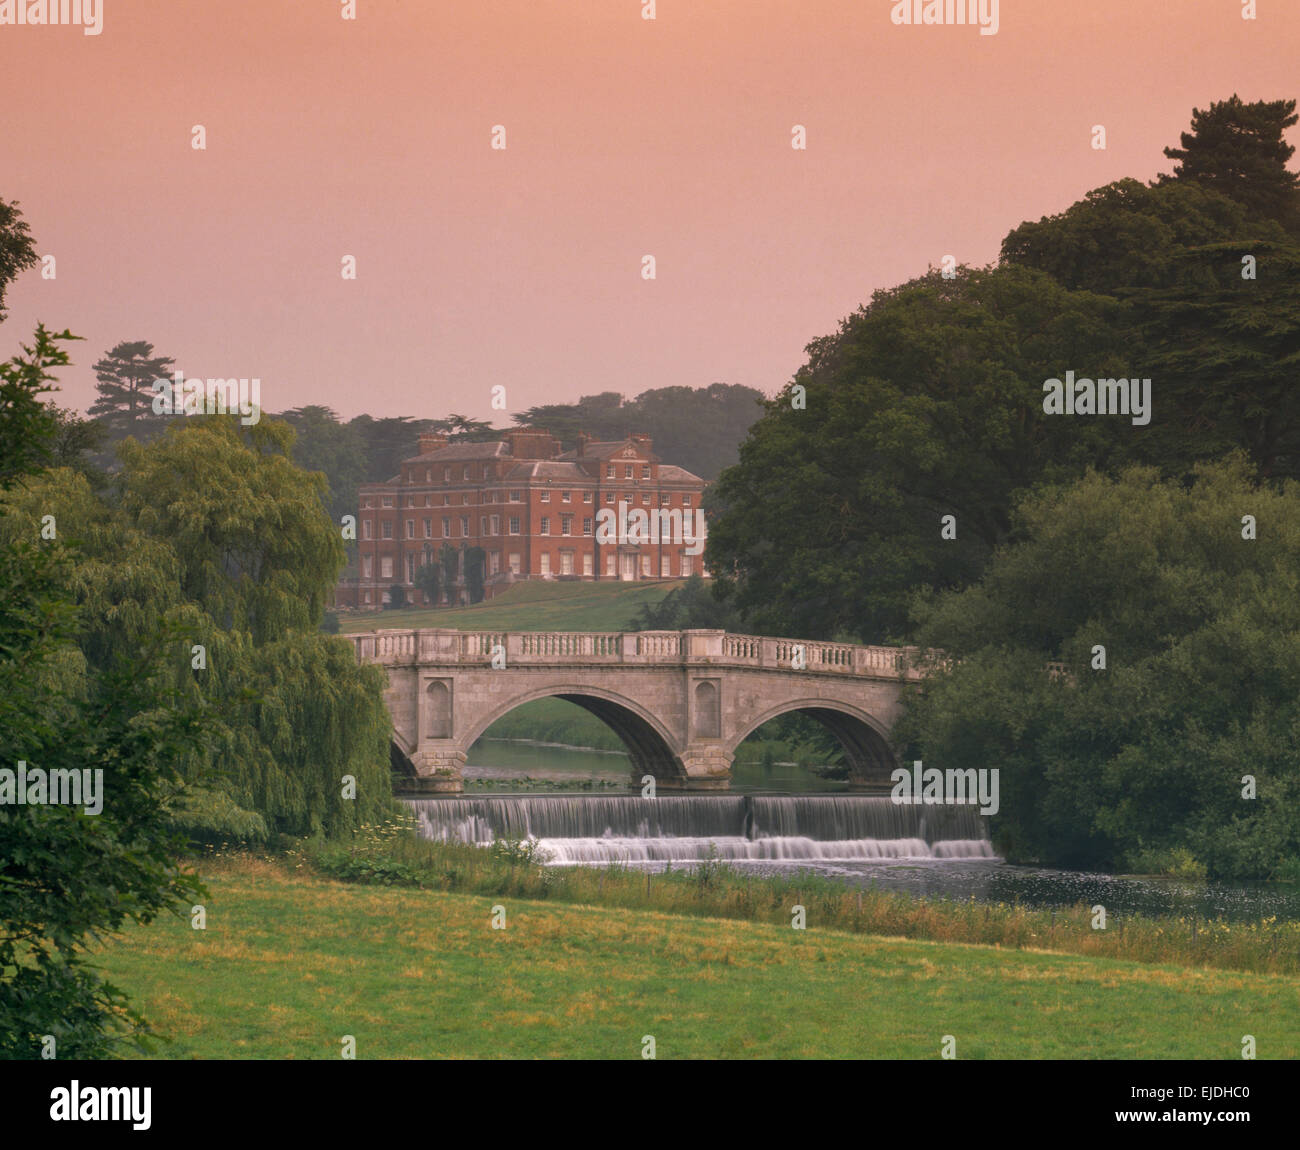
[{"x": 625, "y": 137}]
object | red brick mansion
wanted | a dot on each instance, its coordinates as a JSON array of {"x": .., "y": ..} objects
[{"x": 603, "y": 511}]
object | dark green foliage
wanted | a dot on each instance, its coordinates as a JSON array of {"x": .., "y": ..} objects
[
  {"x": 692, "y": 605},
  {"x": 396, "y": 598},
  {"x": 475, "y": 568},
  {"x": 1201, "y": 687},
  {"x": 28, "y": 427},
  {"x": 698, "y": 428},
  {"x": 68, "y": 875},
  {"x": 17, "y": 251},
  {"x": 126, "y": 376},
  {"x": 428, "y": 578},
  {"x": 1240, "y": 150}
]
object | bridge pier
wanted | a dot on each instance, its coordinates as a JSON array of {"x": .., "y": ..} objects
[{"x": 438, "y": 772}]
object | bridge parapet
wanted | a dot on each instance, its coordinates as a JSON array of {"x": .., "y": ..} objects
[{"x": 444, "y": 647}]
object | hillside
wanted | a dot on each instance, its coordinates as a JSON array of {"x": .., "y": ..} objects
[{"x": 534, "y": 606}]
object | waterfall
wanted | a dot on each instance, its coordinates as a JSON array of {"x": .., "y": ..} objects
[{"x": 682, "y": 827}]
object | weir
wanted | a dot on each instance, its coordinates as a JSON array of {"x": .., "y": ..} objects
[{"x": 739, "y": 827}]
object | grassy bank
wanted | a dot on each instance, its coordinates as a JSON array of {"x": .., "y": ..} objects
[
  {"x": 569, "y": 606},
  {"x": 390, "y": 855},
  {"x": 291, "y": 962}
]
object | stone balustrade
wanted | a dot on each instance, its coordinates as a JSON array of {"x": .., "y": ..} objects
[{"x": 444, "y": 647}]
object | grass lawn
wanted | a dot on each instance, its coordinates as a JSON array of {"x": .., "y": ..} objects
[
  {"x": 568, "y": 606},
  {"x": 290, "y": 963}
]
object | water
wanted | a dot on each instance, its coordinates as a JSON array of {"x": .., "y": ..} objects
[
  {"x": 855, "y": 839},
  {"x": 684, "y": 828}
]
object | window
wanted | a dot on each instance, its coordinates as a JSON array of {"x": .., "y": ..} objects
[
  {"x": 564, "y": 496},
  {"x": 645, "y": 565},
  {"x": 609, "y": 497},
  {"x": 586, "y": 525},
  {"x": 686, "y": 566},
  {"x": 627, "y": 471},
  {"x": 645, "y": 497},
  {"x": 546, "y": 563},
  {"x": 686, "y": 500},
  {"x": 446, "y": 500},
  {"x": 546, "y": 497},
  {"x": 367, "y": 596},
  {"x": 514, "y": 562},
  {"x": 465, "y": 472},
  {"x": 494, "y": 562},
  {"x": 366, "y": 502},
  {"x": 410, "y": 568},
  {"x": 514, "y": 525},
  {"x": 586, "y": 497},
  {"x": 386, "y": 567},
  {"x": 566, "y": 562},
  {"x": 428, "y": 501},
  {"x": 365, "y": 529},
  {"x": 645, "y": 471},
  {"x": 546, "y": 525},
  {"x": 410, "y": 528},
  {"x": 388, "y": 528},
  {"x": 665, "y": 566},
  {"x": 446, "y": 475},
  {"x": 428, "y": 475},
  {"x": 446, "y": 527},
  {"x": 586, "y": 563},
  {"x": 566, "y": 524},
  {"x": 496, "y": 525},
  {"x": 388, "y": 501},
  {"x": 609, "y": 472},
  {"x": 428, "y": 528},
  {"x": 365, "y": 566},
  {"x": 610, "y": 559},
  {"x": 516, "y": 497},
  {"x": 464, "y": 526},
  {"x": 482, "y": 525},
  {"x": 665, "y": 501}
]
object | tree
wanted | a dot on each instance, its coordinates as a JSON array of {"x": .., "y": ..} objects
[
  {"x": 321, "y": 443},
  {"x": 396, "y": 598},
  {"x": 215, "y": 530},
  {"x": 1238, "y": 149},
  {"x": 691, "y": 605},
  {"x": 428, "y": 578},
  {"x": 475, "y": 572},
  {"x": 17, "y": 250},
  {"x": 126, "y": 376},
  {"x": 28, "y": 427},
  {"x": 1179, "y": 625},
  {"x": 449, "y": 559},
  {"x": 927, "y": 403},
  {"x": 70, "y": 872}
]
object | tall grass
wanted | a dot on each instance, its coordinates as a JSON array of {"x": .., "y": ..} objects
[{"x": 391, "y": 854}]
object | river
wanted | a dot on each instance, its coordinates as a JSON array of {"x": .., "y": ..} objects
[{"x": 785, "y": 820}]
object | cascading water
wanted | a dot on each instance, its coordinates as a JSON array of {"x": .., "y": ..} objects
[{"x": 671, "y": 828}]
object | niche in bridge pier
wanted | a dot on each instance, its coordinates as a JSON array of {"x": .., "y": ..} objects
[
  {"x": 708, "y": 710},
  {"x": 437, "y": 709}
]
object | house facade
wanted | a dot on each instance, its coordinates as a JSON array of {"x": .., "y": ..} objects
[{"x": 607, "y": 510}]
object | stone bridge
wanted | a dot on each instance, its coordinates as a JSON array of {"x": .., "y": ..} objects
[{"x": 681, "y": 701}]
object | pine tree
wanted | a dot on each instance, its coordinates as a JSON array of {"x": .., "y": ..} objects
[{"x": 126, "y": 376}]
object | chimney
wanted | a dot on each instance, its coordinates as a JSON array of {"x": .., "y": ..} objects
[
  {"x": 643, "y": 440},
  {"x": 430, "y": 441},
  {"x": 583, "y": 440},
  {"x": 531, "y": 443}
]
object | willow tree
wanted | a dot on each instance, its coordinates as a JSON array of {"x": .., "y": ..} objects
[{"x": 214, "y": 531}]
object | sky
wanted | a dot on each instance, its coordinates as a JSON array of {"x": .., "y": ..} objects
[{"x": 523, "y": 267}]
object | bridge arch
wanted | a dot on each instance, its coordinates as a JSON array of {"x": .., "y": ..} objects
[
  {"x": 863, "y": 737},
  {"x": 650, "y": 745}
]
